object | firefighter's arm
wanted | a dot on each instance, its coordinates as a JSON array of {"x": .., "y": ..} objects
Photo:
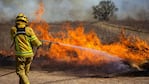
[
  {"x": 34, "y": 40},
  {"x": 12, "y": 32}
]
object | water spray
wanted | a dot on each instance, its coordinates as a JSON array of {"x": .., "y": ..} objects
[
  {"x": 102, "y": 53},
  {"x": 108, "y": 60}
]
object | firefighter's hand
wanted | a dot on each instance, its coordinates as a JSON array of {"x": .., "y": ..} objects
[{"x": 39, "y": 47}]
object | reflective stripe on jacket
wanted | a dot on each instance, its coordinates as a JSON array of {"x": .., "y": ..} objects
[{"x": 24, "y": 43}]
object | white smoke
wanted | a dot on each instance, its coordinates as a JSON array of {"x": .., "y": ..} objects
[
  {"x": 59, "y": 10},
  {"x": 55, "y": 10},
  {"x": 135, "y": 9},
  {"x": 62, "y": 10}
]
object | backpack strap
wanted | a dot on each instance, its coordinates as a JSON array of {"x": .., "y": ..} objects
[{"x": 20, "y": 31}]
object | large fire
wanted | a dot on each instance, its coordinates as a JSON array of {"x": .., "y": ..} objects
[
  {"x": 74, "y": 45},
  {"x": 77, "y": 46}
]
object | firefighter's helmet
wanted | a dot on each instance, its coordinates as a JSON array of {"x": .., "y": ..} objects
[{"x": 21, "y": 18}]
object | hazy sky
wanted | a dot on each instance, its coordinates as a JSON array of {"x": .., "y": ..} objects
[{"x": 59, "y": 10}]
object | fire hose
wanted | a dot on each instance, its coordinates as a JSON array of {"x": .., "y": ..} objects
[{"x": 50, "y": 42}]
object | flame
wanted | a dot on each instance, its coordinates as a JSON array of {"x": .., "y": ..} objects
[
  {"x": 7, "y": 52},
  {"x": 40, "y": 11},
  {"x": 80, "y": 47},
  {"x": 131, "y": 49},
  {"x": 77, "y": 46}
]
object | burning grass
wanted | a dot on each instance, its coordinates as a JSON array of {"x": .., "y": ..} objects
[
  {"x": 81, "y": 48},
  {"x": 73, "y": 45},
  {"x": 76, "y": 45},
  {"x": 85, "y": 47}
]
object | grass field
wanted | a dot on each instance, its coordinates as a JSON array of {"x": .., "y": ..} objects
[{"x": 52, "y": 72}]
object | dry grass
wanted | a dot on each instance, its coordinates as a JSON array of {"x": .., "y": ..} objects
[
  {"x": 66, "y": 73},
  {"x": 106, "y": 32}
]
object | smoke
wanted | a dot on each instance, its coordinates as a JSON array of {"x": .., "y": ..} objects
[
  {"x": 10, "y": 8},
  {"x": 135, "y": 9},
  {"x": 62, "y": 10}
]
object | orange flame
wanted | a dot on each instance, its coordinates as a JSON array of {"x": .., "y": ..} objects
[
  {"x": 40, "y": 11},
  {"x": 131, "y": 49},
  {"x": 7, "y": 53}
]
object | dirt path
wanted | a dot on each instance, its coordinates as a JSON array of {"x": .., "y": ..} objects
[{"x": 44, "y": 77}]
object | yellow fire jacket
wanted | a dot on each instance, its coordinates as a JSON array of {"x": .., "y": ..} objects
[{"x": 24, "y": 42}]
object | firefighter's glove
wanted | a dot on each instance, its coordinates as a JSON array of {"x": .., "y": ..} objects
[{"x": 39, "y": 47}]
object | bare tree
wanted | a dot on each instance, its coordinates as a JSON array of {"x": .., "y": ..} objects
[{"x": 104, "y": 10}]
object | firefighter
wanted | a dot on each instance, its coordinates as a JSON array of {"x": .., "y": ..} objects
[{"x": 24, "y": 39}]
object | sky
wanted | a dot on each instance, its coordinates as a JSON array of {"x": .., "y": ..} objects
[{"x": 62, "y": 10}]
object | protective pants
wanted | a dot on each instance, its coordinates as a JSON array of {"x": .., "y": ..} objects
[{"x": 22, "y": 68}]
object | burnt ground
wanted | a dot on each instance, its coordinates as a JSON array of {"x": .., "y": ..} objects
[{"x": 48, "y": 71}]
